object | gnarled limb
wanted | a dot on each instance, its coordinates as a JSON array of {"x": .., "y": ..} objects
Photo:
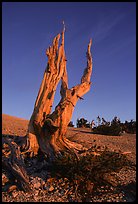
[{"x": 13, "y": 163}]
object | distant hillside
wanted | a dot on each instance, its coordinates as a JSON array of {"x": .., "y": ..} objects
[
  {"x": 6, "y": 116},
  {"x": 13, "y": 125}
]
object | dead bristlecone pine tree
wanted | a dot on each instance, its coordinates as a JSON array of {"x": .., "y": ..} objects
[{"x": 46, "y": 130}]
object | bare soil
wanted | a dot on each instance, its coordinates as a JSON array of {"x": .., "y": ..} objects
[{"x": 125, "y": 144}]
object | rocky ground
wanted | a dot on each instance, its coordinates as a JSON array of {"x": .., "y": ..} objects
[{"x": 47, "y": 186}]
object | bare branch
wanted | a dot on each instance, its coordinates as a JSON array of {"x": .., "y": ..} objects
[{"x": 88, "y": 70}]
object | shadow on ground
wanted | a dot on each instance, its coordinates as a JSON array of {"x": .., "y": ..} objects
[{"x": 129, "y": 191}]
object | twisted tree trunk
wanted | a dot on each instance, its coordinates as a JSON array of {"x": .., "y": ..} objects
[{"x": 46, "y": 130}]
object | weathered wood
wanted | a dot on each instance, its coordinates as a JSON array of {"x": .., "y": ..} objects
[
  {"x": 13, "y": 163},
  {"x": 47, "y": 130}
]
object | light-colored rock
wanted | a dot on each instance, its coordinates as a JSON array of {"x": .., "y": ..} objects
[
  {"x": 51, "y": 189},
  {"x": 4, "y": 179},
  {"x": 37, "y": 185},
  {"x": 14, "y": 194}
]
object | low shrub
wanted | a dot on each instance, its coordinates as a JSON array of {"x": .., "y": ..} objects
[
  {"x": 87, "y": 173},
  {"x": 114, "y": 130}
]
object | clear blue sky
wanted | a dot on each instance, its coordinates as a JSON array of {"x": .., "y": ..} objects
[{"x": 28, "y": 29}]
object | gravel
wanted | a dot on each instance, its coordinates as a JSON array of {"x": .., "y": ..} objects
[{"x": 45, "y": 188}]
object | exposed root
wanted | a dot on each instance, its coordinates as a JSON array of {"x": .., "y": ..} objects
[{"x": 12, "y": 161}]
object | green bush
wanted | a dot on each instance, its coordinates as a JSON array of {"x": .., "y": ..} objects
[
  {"x": 70, "y": 124},
  {"x": 107, "y": 128},
  {"x": 83, "y": 123}
]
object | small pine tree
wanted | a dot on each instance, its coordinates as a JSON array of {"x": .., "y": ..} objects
[
  {"x": 70, "y": 124},
  {"x": 107, "y": 128},
  {"x": 82, "y": 123}
]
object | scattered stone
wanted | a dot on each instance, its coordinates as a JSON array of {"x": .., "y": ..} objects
[
  {"x": 58, "y": 190},
  {"x": 65, "y": 179},
  {"x": 14, "y": 194},
  {"x": 62, "y": 184},
  {"x": 4, "y": 179},
  {"x": 37, "y": 185},
  {"x": 49, "y": 180},
  {"x": 51, "y": 189}
]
